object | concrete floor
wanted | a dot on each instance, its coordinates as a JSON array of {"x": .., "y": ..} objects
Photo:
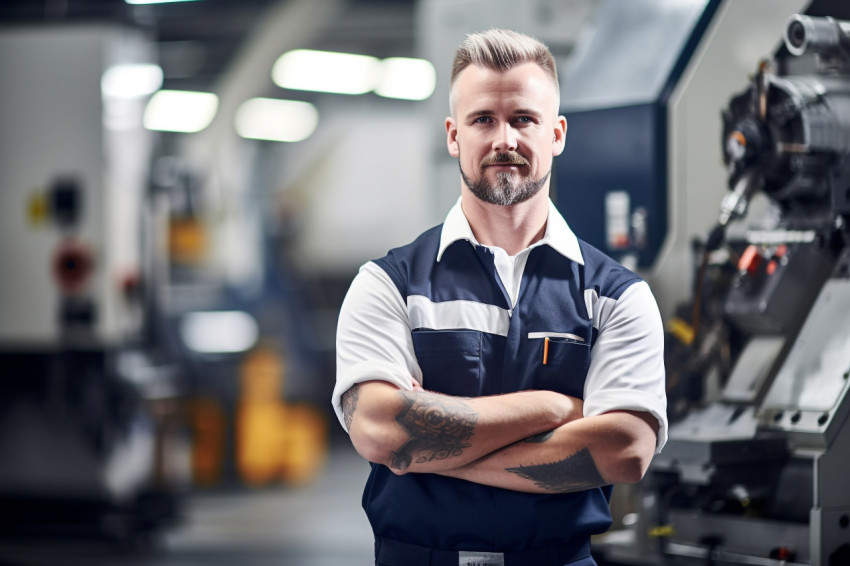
[{"x": 321, "y": 524}]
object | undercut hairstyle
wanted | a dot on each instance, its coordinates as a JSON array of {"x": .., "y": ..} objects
[{"x": 501, "y": 50}]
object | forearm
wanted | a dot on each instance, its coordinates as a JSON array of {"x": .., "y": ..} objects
[
  {"x": 612, "y": 448},
  {"x": 421, "y": 431}
]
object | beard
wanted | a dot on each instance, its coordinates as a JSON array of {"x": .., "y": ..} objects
[{"x": 509, "y": 188}]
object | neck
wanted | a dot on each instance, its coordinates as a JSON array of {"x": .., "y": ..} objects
[{"x": 512, "y": 228}]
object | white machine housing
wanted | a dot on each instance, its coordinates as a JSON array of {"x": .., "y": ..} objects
[{"x": 55, "y": 125}]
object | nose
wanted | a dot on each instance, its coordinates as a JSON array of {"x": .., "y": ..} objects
[{"x": 506, "y": 139}]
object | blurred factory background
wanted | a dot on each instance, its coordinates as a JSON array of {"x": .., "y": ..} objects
[{"x": 187, "y": 189}]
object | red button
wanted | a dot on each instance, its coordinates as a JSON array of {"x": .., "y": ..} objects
[
  {"x": 750, "y": 260},
  {"x": 72, "y": 266},
  {"x": 771, "y": 267}
]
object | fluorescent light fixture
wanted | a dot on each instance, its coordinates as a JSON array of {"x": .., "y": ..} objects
[
  {"x": 180, "y": 111},
  {"x": 155, "y": 1},
  {"x": 326, "y": 71},
  {"x": 219, "y": 332},
  {"x": 276, "y": 120},
  {"x": 129, "y": 81},
  {"x": 406, "y": 78}
]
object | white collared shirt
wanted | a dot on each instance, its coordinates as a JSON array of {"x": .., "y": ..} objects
[{"x": 558, "y": 236}]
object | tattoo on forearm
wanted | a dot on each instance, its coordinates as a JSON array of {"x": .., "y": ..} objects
[
  {"x": 540, "y": 438},
  {"x": 575, "y": 473},
  {"x": 349, "y": 404},
  {"x": 438, "y": 426}
]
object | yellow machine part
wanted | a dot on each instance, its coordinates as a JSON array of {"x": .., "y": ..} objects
[
  {"x": 187, "y": 240},
  {"x": 275, "y": 440},
  {"x": 208, "y": 427}
]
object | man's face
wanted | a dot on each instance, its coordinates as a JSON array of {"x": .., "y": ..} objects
[{"x": 505, "y": 131}]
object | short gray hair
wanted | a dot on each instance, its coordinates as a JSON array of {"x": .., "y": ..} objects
[{"x": 501, "y": 50}]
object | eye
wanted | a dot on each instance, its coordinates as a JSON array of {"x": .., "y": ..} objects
[
  {"x": 524, "y": 120},
  {"x": 482, "y": 120}
]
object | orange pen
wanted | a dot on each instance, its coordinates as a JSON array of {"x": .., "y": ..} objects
[{"x": 545, "y": 350}]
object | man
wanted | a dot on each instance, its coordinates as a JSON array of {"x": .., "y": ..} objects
[{"x": 499, "y": 373}]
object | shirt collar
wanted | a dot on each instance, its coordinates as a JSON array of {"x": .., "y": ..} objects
[{"x": 558, "y": 235}]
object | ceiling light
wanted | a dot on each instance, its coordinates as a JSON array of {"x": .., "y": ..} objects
[
  {"x": 406, "y": 78},
  {"x": 155, "y": 1},
  {"x": 180, "y": 111},
  {"x": 326, "y": 71},
  {"x": 219, "y": 332},
  {"x": 130, "y": 80},
  {"x": 276, "y": 120}
]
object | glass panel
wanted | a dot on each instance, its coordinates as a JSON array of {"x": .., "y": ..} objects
[{"x": 628, "y": 53}]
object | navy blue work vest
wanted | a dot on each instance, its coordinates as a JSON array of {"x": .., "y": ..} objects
[{"x": 450, "y": 514}]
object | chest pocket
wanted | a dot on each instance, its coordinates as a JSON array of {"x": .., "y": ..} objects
[
  {"x": 566, "y": 363},
  {"x": 450, "y": 360}
]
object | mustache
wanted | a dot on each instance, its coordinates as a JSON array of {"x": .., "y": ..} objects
[{"x": 504, "y": 158}]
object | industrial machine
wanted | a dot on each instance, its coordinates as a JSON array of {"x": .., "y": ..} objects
[
  {"x": 90, "y": 442},
  {"x": 121, "y": 378},
  {"x": 757, "y": 473}
]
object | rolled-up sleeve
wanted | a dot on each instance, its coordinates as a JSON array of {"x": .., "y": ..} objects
[
  {"x": 373, "y": 340},
  {"x": 627, "y": 360}
]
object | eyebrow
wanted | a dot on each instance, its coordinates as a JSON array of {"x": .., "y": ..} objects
[
  {"x": 528, "y": 112},
  {"x": 518, "y": 112},
  {"x": 478, "y": 114}
]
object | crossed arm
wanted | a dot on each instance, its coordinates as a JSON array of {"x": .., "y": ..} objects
[{"x": 532, "y": 441}]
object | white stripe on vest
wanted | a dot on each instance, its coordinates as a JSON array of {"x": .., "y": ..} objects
[{"x": 453, "y": 315}]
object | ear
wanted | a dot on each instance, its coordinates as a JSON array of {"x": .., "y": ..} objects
[
  {"x": 560, "y": 137},
  {"x": 451, "y": 137}
]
